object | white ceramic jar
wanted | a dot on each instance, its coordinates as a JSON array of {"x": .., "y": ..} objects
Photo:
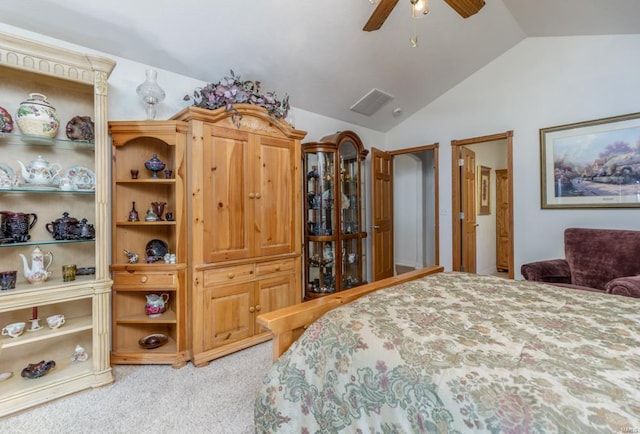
[{"x": 37, "y": 117}]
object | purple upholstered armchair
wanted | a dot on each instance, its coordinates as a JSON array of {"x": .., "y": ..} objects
[{"x": 602, "y": 260}]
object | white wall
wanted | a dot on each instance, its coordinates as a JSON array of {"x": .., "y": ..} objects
[
  {"x": 124, "y": 104},
  {"x": 539, "y": 83},
  {"x": 407, "y": 210}
]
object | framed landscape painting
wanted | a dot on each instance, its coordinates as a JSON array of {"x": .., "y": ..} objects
[
  {"x": 593, "y": 164},
  {"x": 484, "y": 191}
]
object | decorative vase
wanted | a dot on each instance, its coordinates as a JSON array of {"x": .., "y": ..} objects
[
  {"x": 37, "y": 117},
  {"x": 150, "y": 92},
  {"x": 158, "y": 208},
  {"x": 155, "y": 165}
]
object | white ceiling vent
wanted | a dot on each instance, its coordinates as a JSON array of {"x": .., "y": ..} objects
[{"x": 371, "y": 102}]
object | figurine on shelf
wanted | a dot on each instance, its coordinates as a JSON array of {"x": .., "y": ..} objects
[
  {"x": 133, "y": 257},
  {"x": 79, "y": 354},
  {"x": 151, "y": 216}
]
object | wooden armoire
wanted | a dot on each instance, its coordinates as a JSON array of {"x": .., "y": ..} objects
[{"x": 244, "y": 202}]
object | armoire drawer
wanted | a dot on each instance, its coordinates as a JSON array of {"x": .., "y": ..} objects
[
  {"x": 237, "y": 273},
  {"x": 145, "y": 278},
  {"x": 265, "y": 268}
]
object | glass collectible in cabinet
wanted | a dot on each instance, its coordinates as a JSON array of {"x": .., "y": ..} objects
[{"x": 334, "y": 234}]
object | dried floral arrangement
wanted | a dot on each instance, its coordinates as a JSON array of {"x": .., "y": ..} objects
[{"x": 233, "y": 90}]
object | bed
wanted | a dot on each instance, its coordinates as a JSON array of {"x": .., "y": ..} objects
[{"x": 455, "y": 352}]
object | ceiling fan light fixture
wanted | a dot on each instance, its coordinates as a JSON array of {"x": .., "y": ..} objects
[{"x": 419, "y": 8}]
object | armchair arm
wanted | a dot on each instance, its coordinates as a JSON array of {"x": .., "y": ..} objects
[
  {"x": 551, "y": 271},
  {"x": 628, "y": 286}
]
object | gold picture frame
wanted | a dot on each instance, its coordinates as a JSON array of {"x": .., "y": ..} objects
[
  {"x": 484, "y": 191},
  {"x": 592, "y": 164}
]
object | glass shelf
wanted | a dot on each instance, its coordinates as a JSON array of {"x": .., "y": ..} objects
[
  {"x": 45, "y": 190},
  {"x": 45, "y": 242},
  {"x": 26, "y": 139}
]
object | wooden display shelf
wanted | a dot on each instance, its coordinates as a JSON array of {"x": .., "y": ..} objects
[
  {"x": 168, "y": 317},
  {"x": 144, "y": 223}
]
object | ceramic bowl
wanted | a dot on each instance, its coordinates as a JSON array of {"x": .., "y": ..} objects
[
  {"x": 152, "y": 341},
  {"x": 85, "y": 271}
]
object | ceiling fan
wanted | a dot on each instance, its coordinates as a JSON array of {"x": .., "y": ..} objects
[{"x": 465, "y": 8}]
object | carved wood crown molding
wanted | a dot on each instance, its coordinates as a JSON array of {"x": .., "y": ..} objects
[
  {"x": 254, "y": 118},
  {"x": 19, "y": 53}
]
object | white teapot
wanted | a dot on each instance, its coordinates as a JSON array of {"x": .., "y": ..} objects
[
  {"x": 39, "y": 271},
  {"x": 40, "y": 172}
]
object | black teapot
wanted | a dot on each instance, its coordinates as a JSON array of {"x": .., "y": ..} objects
[{"x": 64, "y": 228}]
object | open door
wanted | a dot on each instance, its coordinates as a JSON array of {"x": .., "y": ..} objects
[
  {"x": 461, "y": 229},
  {"x": 382, "y": 214},
  {"x": 468, "y": 209}
]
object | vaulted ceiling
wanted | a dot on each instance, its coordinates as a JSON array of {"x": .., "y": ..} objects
[{"x": 315, "y": 50}]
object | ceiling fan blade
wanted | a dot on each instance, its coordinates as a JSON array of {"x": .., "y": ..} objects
[
  {"x": 379, "y": 15},
  {"x": 465, "y": 8}
]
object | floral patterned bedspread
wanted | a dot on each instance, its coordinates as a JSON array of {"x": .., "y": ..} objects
[{"x": 455, "y": 352}]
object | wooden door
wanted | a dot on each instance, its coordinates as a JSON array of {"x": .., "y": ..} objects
[
  {"x": 468, "y": 209},
  {"x": 226, "y": 203},
  {"x": 273, "y": 186},
  {"x": 503, "y": 235},
  {"x": 382, "y": 214}
]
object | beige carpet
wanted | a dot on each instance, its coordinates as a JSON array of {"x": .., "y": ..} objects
[{"x": 158, "y": 399}]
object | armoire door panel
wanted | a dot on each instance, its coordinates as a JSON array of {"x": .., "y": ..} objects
[
  {"x": 226, "y": 210},
  {"x": 275, "y": 293},
  {"x": 227, "y": 317},
  {"x": 272, "y": 196}
]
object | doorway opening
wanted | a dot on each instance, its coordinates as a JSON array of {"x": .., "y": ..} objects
[
  {"x": 483, "y": 241},
  {"x": 404, "y": 232}
]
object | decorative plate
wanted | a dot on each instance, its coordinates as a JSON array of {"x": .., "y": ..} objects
[
  {"x": 7, "y": 177},
  {"x": 6, "y": 171},
  {"x": 155, "y": 250},
  {"x": 152, "y": 341},
  {"x": 81, "y": 177}
]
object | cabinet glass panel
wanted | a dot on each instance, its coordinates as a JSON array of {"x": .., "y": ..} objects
[
  {"x": 320, "y": 203},
  {"x": 349, "y": 185},
  {"x": 321, "y": 269},
  {"x": 351, "y": 263}
]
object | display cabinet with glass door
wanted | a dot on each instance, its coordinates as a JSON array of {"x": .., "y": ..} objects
[{"x": 334, "y": 234}]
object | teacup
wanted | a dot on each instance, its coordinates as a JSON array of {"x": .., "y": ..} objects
[
  {"x": 66, "y": 184},
  {"x": 8, "y": 279},
  {"x": 14, "y": 329},
  {"x": 55, "y": 321}
]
